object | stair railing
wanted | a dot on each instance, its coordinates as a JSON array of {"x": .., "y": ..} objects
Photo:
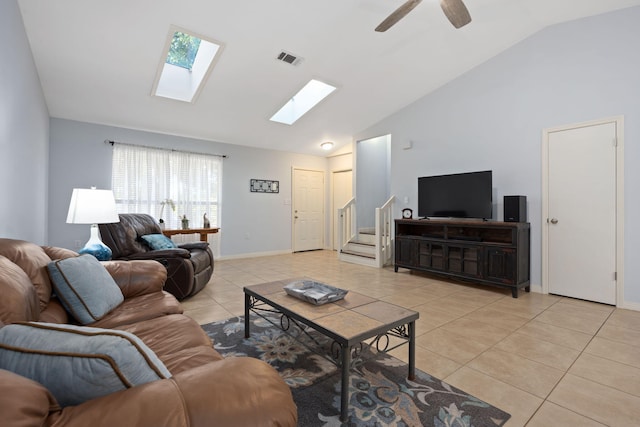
[
  {"x": 347, "y": 224},
  {"x": 384, "y": 231}
]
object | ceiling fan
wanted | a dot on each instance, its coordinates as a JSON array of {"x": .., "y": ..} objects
[{"x": 455, "y": 10}]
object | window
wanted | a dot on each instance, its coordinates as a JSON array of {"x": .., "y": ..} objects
[
  {"x": 303, "y": 101},
  {"x": 183, "y": 50},
  {"x": 186, "y": 63},
  {"x": 144, "y": 179}
]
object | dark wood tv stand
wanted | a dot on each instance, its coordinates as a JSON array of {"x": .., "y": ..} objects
[{"x": 486, "y": 252}]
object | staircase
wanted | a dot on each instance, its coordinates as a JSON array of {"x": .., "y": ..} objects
[
  {"x": 367, "y": 246},
  {"x": 361, "y": 249}
]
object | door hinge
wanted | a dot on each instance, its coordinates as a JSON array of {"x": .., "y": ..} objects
[
  {"x": 615, "y": 275},
  {"x": 615, "y": 141}
]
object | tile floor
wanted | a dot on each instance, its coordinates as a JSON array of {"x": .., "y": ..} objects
[{"x": 547, "y": 360}]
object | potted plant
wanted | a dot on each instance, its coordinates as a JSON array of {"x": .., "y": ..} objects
[{"x": 162, "y": 204}]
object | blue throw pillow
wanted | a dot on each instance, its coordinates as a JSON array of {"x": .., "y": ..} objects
[
  {"x": 78, "y": 363},
  {"x": 158, "y": 241},
  {"x": 84, "y": 287}
]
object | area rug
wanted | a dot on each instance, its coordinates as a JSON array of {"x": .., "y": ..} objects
[{"x": 380, "y": 393}]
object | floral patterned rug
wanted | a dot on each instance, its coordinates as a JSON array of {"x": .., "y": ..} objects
[{"x": 380, "y": 393}]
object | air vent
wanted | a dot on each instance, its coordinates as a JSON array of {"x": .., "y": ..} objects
[{"x": 289, "y": 58}]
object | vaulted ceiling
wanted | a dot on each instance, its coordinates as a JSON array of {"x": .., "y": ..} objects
[{"x": 97, "y": 60}]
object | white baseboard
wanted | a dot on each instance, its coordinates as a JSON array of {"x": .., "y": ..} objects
[
  {"x": 253, "y": 255},
  {"x": 536, "y": 288},
  {"x": 635, "y": 306}
]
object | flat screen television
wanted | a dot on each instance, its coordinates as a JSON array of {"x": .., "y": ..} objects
[{"x": 460, "y": 195}]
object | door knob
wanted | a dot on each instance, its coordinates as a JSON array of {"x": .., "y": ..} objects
[{"x": 554, "y": 220}]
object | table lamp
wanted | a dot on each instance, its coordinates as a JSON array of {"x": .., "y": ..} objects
[{"x": 91, "y": 206}]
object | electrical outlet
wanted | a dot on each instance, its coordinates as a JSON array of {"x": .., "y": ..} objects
[{"x": 77, "y": 244}]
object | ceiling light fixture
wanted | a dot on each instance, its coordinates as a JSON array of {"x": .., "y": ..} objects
[{"x": 328, "y": 145}]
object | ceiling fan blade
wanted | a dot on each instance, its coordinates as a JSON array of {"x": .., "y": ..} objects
[
  {"x": 456, "y": 12},
  {"x": 397, "y": 15}
]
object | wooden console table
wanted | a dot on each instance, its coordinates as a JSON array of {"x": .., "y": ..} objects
[{"x": 203, "y": 232}]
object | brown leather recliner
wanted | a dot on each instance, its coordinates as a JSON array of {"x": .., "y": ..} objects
[{"x": 189, "y": 266}]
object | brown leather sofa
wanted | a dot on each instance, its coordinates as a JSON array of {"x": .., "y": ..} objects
[
  {"x": 204, "y": 389},
  {"x": 189, "y": 266}
]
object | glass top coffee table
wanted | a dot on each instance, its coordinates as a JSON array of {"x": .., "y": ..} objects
[{"x": 349, "y": 322}]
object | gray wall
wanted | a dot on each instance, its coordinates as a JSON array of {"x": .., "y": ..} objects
[
  {"x": 490, "y": 118},
  {"x": 251, "y": 223},
  {"x": 372, "y": 178},
  {"x": 24, "y": 134},
  {"x": 493, "y": 117}
]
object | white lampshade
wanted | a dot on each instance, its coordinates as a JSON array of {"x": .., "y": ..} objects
[{"x": 91, "y": 206}]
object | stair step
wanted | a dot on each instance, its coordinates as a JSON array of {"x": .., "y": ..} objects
[
  {"x": 364, "y": 242},
  {"x": 358, "y": 253},
  {"x": 366, "y": 238},
  {"x": 361, "y": 248}
]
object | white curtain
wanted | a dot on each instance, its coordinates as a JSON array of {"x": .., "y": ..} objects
[{"x": 143, "y": 178}]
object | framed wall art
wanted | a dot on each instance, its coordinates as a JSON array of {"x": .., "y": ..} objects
[{"x": 264, "y": 186}]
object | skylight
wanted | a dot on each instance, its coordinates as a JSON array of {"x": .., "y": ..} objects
[
  {"x": 303, "y": 101},
  {"x": 183, "y": 50},
  {"x": 187, "y": 62}
]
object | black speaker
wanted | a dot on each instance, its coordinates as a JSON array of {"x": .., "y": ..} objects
[{"x": 515, "y": 208}]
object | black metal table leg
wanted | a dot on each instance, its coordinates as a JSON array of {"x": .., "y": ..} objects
[
  {"x": 247, "y": 303},
  {"x": 412, "y": 351},
  {"x": 344, "y": 388}
]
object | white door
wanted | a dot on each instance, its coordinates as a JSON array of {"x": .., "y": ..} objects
[
  {"x": 581, "y": 214},
  {"x": 308, "y": 212},
  {"x": 342, "y": 188}
]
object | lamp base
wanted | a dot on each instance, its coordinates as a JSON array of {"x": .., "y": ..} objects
[{"x": 95, "y": 246}]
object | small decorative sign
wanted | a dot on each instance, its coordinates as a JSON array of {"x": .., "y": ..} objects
[{"x": 264, "y": 186}]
